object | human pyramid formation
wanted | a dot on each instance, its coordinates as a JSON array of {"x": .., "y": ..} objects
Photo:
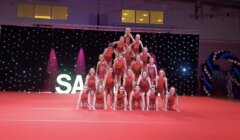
[{"x": 131, "y": 77}]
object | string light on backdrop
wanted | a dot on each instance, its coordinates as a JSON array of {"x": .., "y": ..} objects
[
  {"x": 184, "y": 69},
  {"x": 25, "y": 53},
  {"x": 209, "y": 66}
]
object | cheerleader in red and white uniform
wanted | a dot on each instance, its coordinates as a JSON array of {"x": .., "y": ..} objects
[
  {"x": 137, "y": 67},
  {"x": 137, "y": 45},
  {"x": 108, "y": 53},
  {"x": 137, "y": 95},
  {"x": 119, "y": 67},
  {"x": 128, "y": 54},
  {"x": 145, "y": 56},
  {"x": 102, "y": 67},
  {"x": 152, "y": 95},
  {"x": 128, "y": 38},
  {"x": 171, "y": 99},
  {"x": 100, "y": 95},
  {"x": 152, "y": 70},
  {"x": 121, "y": 94},
  {"x": 144, "y": 83},
  {"x": 162, "y": 84},
  {"x": 91, "y": 83},
  {"x": 109, "y": 83},
  {"x": 129, "y": 81},
  {"x": 120, "y": 45},
  {"x": 82, "y": 96}
]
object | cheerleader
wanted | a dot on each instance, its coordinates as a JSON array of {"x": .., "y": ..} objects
[
  {"x": 128, "y": 54},
  {"x": 120, "y": 45},
  {"x": 128, "y": 38},
  {"x": 108, "y": 53},
  {"x": 100, "y": 95},
  {"x": 119, "y": 67},
  {"x": 152, "y": 70},
  {"x": 137, "y": 95},
  {"x": 137, "y": 43},
  {"x": 152, "y": 95},
  {"x": 102, "y": 67},
  {"x": 109, "y": 83},
  {"x": 144, "y": 83},
  {"x": 128, "y": 81},
  {"x": 162, "y": 83},
  {"x": 91, "y": 83},
  {"x": 120, "y": 94},
  {"x": 82, "y": 96},
  {"x": 137, "y": 67},
  {"x": 145, "y": 56},
  {"x": 171, "y": 99}
]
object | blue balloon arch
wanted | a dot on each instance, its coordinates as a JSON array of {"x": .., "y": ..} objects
[{"x": 209, "y": 66}]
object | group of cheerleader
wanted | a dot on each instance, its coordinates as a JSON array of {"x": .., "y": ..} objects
[{"x": 131, "y": 76}]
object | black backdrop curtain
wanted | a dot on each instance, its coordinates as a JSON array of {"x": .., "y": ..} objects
[{"x": 24, "y": 55}]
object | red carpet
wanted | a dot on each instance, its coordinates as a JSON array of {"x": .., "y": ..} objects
[{"x": 51, "y": 116}]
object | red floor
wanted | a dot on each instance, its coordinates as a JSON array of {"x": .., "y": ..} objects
[{"x": 50, "y": 116}]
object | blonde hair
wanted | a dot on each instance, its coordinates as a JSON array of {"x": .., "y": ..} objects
[{"x": 128, "y": 29}]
